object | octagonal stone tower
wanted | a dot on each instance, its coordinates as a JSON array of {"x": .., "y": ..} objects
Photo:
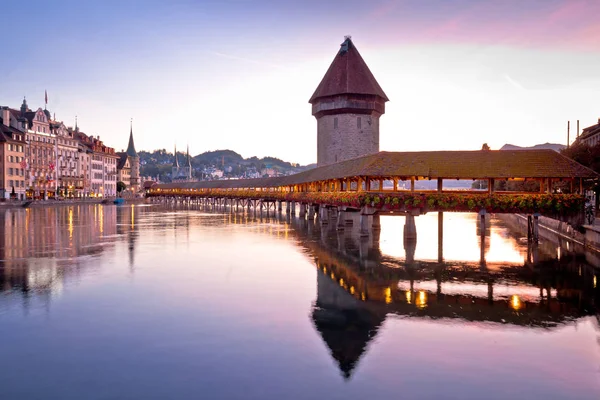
[{"x": 347, "y": 105}]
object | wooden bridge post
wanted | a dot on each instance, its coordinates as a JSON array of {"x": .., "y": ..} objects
[
  {"x": 293, "y": 208},
  {"x": 279, "y": 205},
  {"x": 440, "y": 237}
]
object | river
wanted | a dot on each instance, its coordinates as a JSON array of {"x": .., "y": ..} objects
[{"x": 163, "y": 302}]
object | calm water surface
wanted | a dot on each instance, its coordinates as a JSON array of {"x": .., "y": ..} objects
[{"x": 148, "y": 302}]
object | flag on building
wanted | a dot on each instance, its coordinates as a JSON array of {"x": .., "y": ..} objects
[{"x": 24, "y": 164}]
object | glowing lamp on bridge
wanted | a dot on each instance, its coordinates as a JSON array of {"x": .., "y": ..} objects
[{"x": 408, "y": 296}]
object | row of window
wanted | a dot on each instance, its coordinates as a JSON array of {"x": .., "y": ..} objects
[
  {"x": 14, "y": 159},
  {"x": 16, "y": 171},
  {"x": 35, "y": 138},
  {"x": 12, "y": 183},
  {"x": 15, "y": 147}
]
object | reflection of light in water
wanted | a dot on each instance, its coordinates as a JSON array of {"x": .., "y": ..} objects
[
  {"x": 421, "y": 300},
  {"x": 388, "y": 295},
  {"x": 101, "y": 218},
  {"x": 70, "y": 223},
  {"x": 594, "y": 282},
  {"x": 460, "y": 239},
  {"x": 501, "y": 289},
  {"x": 515, "y": 302},
  {"x": 132, "y": 218}
]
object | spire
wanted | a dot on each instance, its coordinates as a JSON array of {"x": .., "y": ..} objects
[
  {"x": 24, "y": 107},
  {"x": 189, "y": 162},
  {"x": 348, "y": 74},
  {"x": 176, "y": 163},
  {"x": 131, "y": 147},
  {"x": 76, "y": 128}
]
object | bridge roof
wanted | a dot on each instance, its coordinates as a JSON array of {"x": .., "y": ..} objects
[{"x": 480, "y": 164}]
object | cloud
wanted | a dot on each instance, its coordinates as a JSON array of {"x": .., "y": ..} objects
[{"x": 555, "y": 24}]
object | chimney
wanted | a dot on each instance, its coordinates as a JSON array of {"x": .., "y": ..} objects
[{"x": 5, "y": 116}]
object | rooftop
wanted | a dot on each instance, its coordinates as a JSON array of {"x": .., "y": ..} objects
[{"x": 348, "y": 74}]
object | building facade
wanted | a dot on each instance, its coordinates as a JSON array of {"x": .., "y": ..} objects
[
  {"x": 70, "y": 177},
  {"x": 590, "y": 136},
  {"x": 347, "y": 105},
  {"x": 12, "y": 171}
]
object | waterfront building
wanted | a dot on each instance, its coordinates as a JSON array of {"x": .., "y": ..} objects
[
  {"x": 69, "y": 170},
  {"x": 40, "y": 153},
  {"x": 590, "y": 136},
  {"x": 12, "y": 154},
  {"x": 103, "y": 166},
  {"x": 347, "y": 105}
]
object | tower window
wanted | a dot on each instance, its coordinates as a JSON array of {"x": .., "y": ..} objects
[
  {"x": 359, "y": 122},
  {"x": 335, "y": 123}
]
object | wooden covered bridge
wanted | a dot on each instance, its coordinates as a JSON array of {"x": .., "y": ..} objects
[{"x": 385, "y": 183}]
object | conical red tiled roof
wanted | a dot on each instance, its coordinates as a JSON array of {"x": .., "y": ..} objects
[{"x": 348, "y": 74}]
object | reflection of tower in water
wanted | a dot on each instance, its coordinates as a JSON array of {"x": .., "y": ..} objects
[{"x": 343, "y": 321}]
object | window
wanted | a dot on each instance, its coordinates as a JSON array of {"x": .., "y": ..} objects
[{"x": 335, "y": 123}]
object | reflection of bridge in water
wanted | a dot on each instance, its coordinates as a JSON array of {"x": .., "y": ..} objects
[
  {"x": 356, "y": 291},
  {"x": 358, "y": 286}
]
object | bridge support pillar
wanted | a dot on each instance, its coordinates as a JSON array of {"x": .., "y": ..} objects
[
  {"x": 482, "y": 215},
  {"x": 279, "y": 205},
  {"x": 365, "y": 224},
  {"x": 311, "y": 211},
  {"x": 533, "y": 228},
  {"x": 410, "y": 228},
  {"x": 293, "y": 208},
  {"x": 376, "y": 224},
  {"x": 323, "y": 215},
  {"x": 302, "y": 210},
  {"x": 341, "y": 220},
  {"x": 288, "y": 208}
]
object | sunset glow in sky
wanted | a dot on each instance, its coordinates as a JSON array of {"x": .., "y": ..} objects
[{"x": 238, "y": 74}]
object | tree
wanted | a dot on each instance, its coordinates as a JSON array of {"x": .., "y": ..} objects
[{"x": 121, "y": 186}]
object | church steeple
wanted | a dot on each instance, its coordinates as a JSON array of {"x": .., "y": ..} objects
[
  {"x": 176, "y": 162},
  {"x": 24, "y": 107},
  {"x": 131, "y": 147}
]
